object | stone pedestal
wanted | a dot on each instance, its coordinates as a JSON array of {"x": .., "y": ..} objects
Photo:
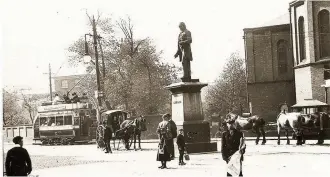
[{"x": 187, "y": 113}]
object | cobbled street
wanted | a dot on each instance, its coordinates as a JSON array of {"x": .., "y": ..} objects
[{"x": 267, "y": 160}]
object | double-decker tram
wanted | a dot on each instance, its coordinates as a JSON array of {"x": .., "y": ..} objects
[{"x": 65, "y": 123}]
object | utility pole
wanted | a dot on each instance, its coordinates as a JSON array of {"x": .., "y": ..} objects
[
  {"x": 97, "y": 62},
  {"x": 50, "y": 82}
]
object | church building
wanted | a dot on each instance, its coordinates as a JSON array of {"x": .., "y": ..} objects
[{"x": 288, "y": 59}]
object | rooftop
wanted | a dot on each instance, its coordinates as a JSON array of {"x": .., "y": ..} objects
[{"x": 278, "y": 21}]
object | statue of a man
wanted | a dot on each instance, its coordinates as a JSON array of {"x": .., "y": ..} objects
[{"x": 184, "y": 51}]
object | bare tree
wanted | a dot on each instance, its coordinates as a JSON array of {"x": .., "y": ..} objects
[{"x": 29, "y": 103}]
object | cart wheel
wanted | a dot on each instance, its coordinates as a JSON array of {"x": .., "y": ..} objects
[{"x": 99, "y": 137}]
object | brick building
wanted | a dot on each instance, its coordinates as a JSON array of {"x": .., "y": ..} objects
[
  {"x": 287, "y": 58},
  {"x": 71, "y": 83},
  {"x": 310, "y": 24}
]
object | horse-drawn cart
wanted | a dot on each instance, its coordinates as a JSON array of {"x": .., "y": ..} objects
[
  {"x": 112, "y": 118},
  {"x": 316, "y": 119}
]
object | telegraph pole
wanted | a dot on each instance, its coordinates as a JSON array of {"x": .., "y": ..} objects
[
  {"x": 97, "y": 62},
  {"x": 50, "y": 82}
]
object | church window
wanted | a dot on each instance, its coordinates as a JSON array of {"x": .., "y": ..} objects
[
  {"x": 282, "y": 55},
  {"x": 302, "y": 44},
  {"x": 324, "y": 33}
]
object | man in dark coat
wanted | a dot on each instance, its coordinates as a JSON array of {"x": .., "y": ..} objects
[
  {"x": 184, "y": 50},
  {"x": 232, "y": 140},
  {"x": 174, "y": 134},
  {"x": 18, "y": 162},
  {"x": 107, "y": 137}
]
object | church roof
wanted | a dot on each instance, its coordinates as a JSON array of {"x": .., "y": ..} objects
[{"x": 280, "y": 20}]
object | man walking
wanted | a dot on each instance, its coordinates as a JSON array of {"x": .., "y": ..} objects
[
  {"x": 107, "y": 137},
  {"x": 232, "y": 140},
  {"x": 174, "y": 135},
  {"x": 18, "y": 162}
]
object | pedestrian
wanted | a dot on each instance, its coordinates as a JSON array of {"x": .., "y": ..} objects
[
  {"x": 18, "y": 162},
  {"x": 165, "y": 136},
  {"x": 181, "y": 146},
  {"x": 66, "y": 98},
  {"x": 107, "y": 137},
  {"x": 174, "y": 133},
  {"x": 56, "y": 99},
  {"x": 75, "y": 98},
  {"x": 232, "y": 140}
]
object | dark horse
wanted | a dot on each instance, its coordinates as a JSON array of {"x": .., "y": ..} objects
[
  {"x": 318, "y": 121},
  {"x": 254, "y": 123},
  {"x": 132, "y": 128},
  {"x": 300, "y": 122}
]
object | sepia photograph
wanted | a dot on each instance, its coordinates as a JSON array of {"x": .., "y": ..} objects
[{"x": 145, "y": 88}]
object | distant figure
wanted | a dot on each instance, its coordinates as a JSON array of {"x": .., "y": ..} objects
[
  {"x": 56, "y": 99},
  {"x": 18, "y": 162},
  {"x": 107, "y": 137},
  {"x": 174, "y": 134},
  {"x": 84, "y": 98},
  {"x": 164, "y": 133},
  {"x": 67, "y": 100},
  {"x": 181, "y": 146},
  {"x": 75, "y": 98}
]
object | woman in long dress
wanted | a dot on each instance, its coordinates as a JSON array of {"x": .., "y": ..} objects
[{"x": 163, "y": 154}]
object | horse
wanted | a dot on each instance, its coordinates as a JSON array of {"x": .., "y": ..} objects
[
  {"x": 132, "y": 128},
  {"x": 254, "y": 123},
  {"x": 294, "y": 121},
  {"x": 313, "y": 120}
]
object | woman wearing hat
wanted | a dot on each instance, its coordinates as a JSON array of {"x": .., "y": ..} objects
[{"x": 164, "y": 134}]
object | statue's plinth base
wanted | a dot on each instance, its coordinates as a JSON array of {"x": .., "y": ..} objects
[
  {"x": 187, "y": 113},
  {"x": 197, "y": 136}
]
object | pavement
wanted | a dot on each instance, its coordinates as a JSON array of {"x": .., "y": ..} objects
[{"x": 260, "y": 160}]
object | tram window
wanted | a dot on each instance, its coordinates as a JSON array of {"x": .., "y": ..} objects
[
  {"x": 67, "y": 120},
  {"x": 59, "y": 120},
  {"x": 43, "y": 121},
  {"x": 51, "y": 121}
]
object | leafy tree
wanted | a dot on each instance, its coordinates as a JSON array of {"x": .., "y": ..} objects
[
  {"x": 135, "y": 76},
  {"x": 12, "y": 111},
  {"x": 229, "y": 91}
]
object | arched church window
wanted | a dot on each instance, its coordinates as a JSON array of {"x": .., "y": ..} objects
[
  {"x": 302, "y": 44},
  {"x": 324, "y": 30},
  {"x": 282, "y": 55}
]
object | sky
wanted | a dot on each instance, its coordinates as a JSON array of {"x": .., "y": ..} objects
[{"x": 37, "y": 33}]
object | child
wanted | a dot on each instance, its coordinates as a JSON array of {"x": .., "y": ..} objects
[{"x": 181, "y": 146}]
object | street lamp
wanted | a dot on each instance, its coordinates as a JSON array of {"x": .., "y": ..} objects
[{"x": 87, "y": 59}]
